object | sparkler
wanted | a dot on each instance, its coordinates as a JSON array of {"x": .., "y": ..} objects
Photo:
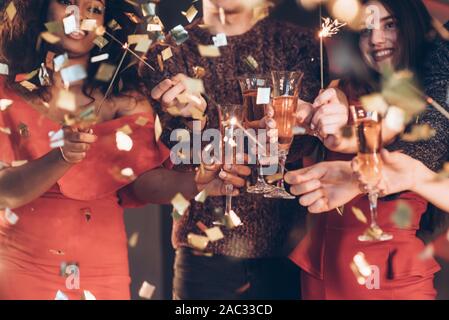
[{"x": 329, "y": 28}]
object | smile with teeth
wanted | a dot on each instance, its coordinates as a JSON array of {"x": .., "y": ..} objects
[
  {"x": 77, "y": 35},
  {"x": 382, "y": 54}
]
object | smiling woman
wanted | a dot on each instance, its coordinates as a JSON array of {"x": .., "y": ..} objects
[{"x": 21, "y": 35}]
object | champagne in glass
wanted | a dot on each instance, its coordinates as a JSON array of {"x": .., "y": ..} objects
[
  {"x": 252, "y": 114},
  {"x": 230, "y": 116},
  {"x": 369, "y": 132},
  {"x": 286, "y": 86}
]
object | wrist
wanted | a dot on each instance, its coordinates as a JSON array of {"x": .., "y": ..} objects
[{"x": 420, "y": 176}]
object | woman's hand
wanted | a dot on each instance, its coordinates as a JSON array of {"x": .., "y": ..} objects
[
  {"x": 324, "y": 186},
  {"x": 76, "y": 144},
  {"x": 172, "y": 93},
  {"x": 331, "y": 114},
  {"x": 399, "y": 172},
  {"x": 213, "y": 178}
]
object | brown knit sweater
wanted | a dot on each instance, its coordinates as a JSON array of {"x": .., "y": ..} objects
[{"x": 268, "y": 225}]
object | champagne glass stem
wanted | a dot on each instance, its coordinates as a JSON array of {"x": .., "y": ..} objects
[
  {"x": 229, "y": 188},
  {"x": 282, "y": 160},
  {"x": 373, "y": 196}
]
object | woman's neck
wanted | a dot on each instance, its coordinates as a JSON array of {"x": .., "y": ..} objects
[{"x": 236, "y": 23}]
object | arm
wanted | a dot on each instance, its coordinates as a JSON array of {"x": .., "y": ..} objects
[{"x": 21, "y": 185}]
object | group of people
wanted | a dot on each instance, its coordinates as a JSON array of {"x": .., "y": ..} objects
[{"x": 64, "y": 205}]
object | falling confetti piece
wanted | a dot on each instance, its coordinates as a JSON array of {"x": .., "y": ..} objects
[
  {"x": 220, "y": 40},
  {"x": 60, "y": 61},
  {"x": 166, "y": 54},
  {"x": 5, "y": 104},
  {"x": 214, "y": 234},
  {"x": 180, "y": 203},
  {"x": 101, "y": 42},
  {"x": 201, "y": 197},
  {"x": 361, "y": 268},
  {"x": 128, "y": 173},
  {"x": 157, "y": 128},
  {"x": 61, "y": 296},
  {"x": 11, "y": 217},
  {"x": 263, "y": 95},
  {"x": 402, "y": 216},
  {"x": 143, "y": 45},
  {"x": 209, "y": 51},
  {"x": 4, "y": 69},
  {"x": 70, "y": 24},
  {"x": 232, "y": 220},
  {"x": 73, "y": 74},
  {"x": 66, "y": 100},
  {"x": 87, "y": 295},
  {"x": 123, "y": 141},
  {"x": 88, "y": 25},
  {"x": 375, "y": 103},
  {"x": 197, "y": 241},
  {"x": 54, "y": 27},
  {"x": 11, "y": 11},
  {"x": 132, "y": 242},
  {"x": 114, "y": 25},
  {"x": 154, "y": 27},
  {"x": 142, "y": 121},
  {"x": 50, "y": 37},
  {"x": 190, "y": 14},
  {"x": 419, "y": 133},
  {"x": 194, "y": 86},
  {"x": 126, "y": 129},
  {"x": 199, "y": 72},
  {"x": 148, "y": 9},
  {"x": 395, "y": 119},
  {"x": 359, "y": 215},
  {"x": 56, "y": 139},
  {"x": 105, "y": 72},
  {"x": 101, "y": 57},
  {"x": 146, "y": 290},
  {"x": 251, "y": 62},
  {"x": 179, "y": 34}
]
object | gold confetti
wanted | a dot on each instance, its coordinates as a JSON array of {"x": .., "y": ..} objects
[
  {"x": 11, "y": 11},
  {"x": 143, "y": 45},
  {"x": 180, "y": 204},
  {"x": 190, "y": 14},
  {"x": 136, "y": 38},
  {"x": 419, "y": 133},
  {"x": 89, "y": 25},
  {"x": 166, "y": 54},
  {"x": 194, "y": 85},
  {"x": 375, "y": 103},
  {"x": 402, "y": 216},
  {"x": 105, "y": 72},
  {"x": 359, "y": 215},
  {"x": 28, "y": 85},
  {"x": 132, "y": 242},
  {"x": 209, "y": 51},
  {"x": 126, "y": 129},
  {"x": 251, "y": 62},
  {"x": 49, "y": 37},
  {"x": 55, "y": 27},
  {"x": 214, "y": 234},
  {"x": 199, "y": 72},
  {"x": 66, "y": 100},
  {"x": 114, "y": 25},
  {"x": 197, "y": 241},
  {"x": 142, "y": 121},
  {"x": 146, "y": 290},
  {"x": 274, "y": 178},
  {"x": 157, "y": 128},
  {"x": 101, "y": 42}
]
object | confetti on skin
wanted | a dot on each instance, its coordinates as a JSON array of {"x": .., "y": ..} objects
[
  {"x": 180, "y": 204},
  {"x": 88, "y": 25},
  {"x": 123, "y": 141},
  {"x": 126, "y": 129},
  {"x": 209, "y": 51},
  {"x": 49, "y": 37},
  {"x": 73, "y": 74},
  {"x": 179, "y": 34},
  {"x": 360, "y": 216},
  {"x": 60, "y": 61},
  {"x": 132, "y": 242},
  {"x": 146, "y": 290},
  {"x": 361, "y": 268},
  {"x": 142, "y": 121}
]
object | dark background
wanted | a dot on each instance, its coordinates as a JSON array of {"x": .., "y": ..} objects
[{"x": 152, "y": 259}]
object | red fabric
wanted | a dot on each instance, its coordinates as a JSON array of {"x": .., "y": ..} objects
[
  {"x": 79, "y": 220},
  {"x": 326, "y": 252}
]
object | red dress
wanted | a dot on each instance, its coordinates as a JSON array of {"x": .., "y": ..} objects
[
  {"x": 327, "y": 251},
  {"x": 79, "y": 221}
]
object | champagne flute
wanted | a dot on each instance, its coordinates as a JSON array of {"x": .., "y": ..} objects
[
  {"x": 286, "y": 86},
  {"x": 253, "y": 113},
  {"x": 230, "y": 117},
  {"x": 369, "y": 132}
]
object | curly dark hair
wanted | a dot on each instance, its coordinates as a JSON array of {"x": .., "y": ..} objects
[{"x": 19, "y": 46}]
